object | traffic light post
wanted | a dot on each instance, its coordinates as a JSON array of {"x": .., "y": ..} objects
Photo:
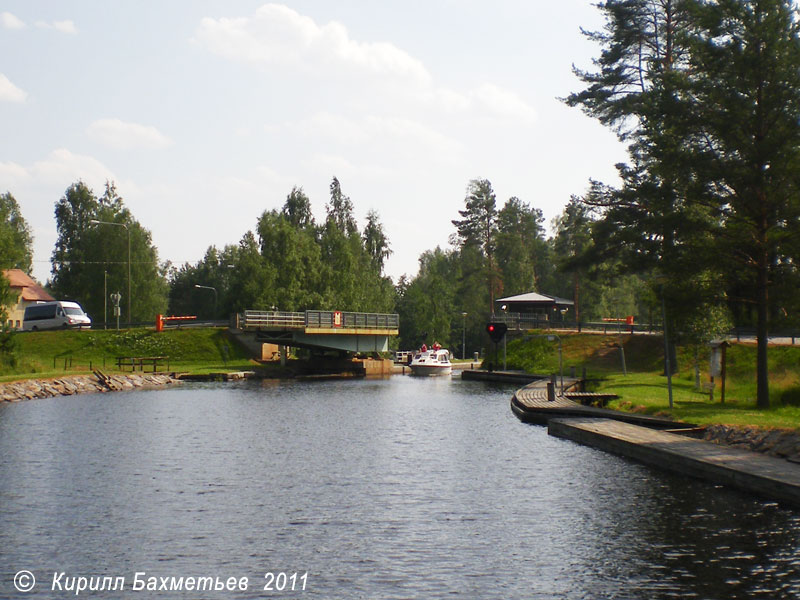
[{"x": 497, "y": 332}]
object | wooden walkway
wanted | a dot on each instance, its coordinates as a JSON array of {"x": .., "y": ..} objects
[
  {"x": 743, "y": 469},
  {"x": 530, "y": 404}
]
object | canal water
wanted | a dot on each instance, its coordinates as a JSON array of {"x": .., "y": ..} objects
[{"x": 399, "y": 488}]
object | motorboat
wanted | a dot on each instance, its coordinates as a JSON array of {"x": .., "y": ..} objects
[{"x": 431, "y": 362}]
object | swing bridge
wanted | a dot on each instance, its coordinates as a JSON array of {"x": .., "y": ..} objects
[{"x": 321, "y": 329}]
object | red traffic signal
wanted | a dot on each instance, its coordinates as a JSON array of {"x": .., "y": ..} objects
[{"x": 496, "y": 331}]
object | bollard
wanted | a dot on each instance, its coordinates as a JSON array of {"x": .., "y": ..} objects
[
  {"x": 572, "y": 372},
  {"x": 551, "y": 391}
]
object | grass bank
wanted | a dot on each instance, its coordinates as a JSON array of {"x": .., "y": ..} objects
[
  {"x": 644, "y": 387},
  {"x": 55, "y": 353}
]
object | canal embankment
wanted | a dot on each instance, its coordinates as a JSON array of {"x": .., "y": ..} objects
[
  {"x": 30, "y": 389},
  {"x": 740, "y": 468},
  {"x": 765, "y": 462}
]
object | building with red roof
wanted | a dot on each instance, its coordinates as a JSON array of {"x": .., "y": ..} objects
[{"x": 28, "y": 292}]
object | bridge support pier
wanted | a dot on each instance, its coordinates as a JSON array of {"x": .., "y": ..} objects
[{"x": 282, "y": 351}]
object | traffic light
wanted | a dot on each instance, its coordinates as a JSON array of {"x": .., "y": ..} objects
[{"x": 496, "y": 331}]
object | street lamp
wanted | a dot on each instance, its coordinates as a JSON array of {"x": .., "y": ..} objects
[
  {"x": 504, "y": 308},
  {"x": 105, "y": 299},
  {"x": 213, "y": 289},
  {"x": 463, "y": 335},
  {"x": 96, "y": 222}
]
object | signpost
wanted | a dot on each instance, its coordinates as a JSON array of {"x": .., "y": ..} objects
[{"x": 115, "y": 298}]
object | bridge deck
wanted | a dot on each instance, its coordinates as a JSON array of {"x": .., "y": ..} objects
[
  {"x": 321, "y": 322},
  {"x": 315, "y": 329}
]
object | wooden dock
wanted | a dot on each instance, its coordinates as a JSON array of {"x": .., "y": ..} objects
[
  {"x": 763, "y": 475},
  {"x": 530, "y": 404},
  {"x": 517, "y": 377}
]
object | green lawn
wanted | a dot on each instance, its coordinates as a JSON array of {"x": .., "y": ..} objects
[
  {"x": 648, "y": 393},
  {"x": 644, "y": 388},
  {"x": 54, "y": 353}
]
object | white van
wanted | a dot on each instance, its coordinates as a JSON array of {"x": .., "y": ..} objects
[{"x": 55, "y": 315}]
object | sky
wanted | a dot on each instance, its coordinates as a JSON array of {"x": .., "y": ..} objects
[{"x": 206, "y": 113}]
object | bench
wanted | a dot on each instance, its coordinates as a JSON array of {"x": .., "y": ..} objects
[{"x": 139, "y": 362}]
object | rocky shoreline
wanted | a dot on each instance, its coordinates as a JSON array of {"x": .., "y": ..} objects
[
  {"x": 782, "y": 443},
  {"x": 81, "y": 384}
]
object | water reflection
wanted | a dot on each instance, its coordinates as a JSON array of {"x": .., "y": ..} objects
[{"x": 401, "y": 488}]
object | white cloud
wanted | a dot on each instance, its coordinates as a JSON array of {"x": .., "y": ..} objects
[
  {"x": 121, "y": 135},
  {"x": 66, "y": 26},
  {"x": 12, "y": 173},
  {"x": 416, "y": 134},
  {"x": 372, "y": 132},
  {"x": 333, "y": 127},
  {"x": 9, "y": 92},
  {"x": 279, "y": 35},
  {"x": 64, "y": 167},
  {"x": 56, "y": 171},
  {"x": 387, "y": 79},
  {"x": 9, "y": 21},
  {"x": 504, "y": 103}
]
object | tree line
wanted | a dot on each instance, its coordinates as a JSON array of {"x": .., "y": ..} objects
[
  {"x": 288, "y": 262},
  {"x": 291, "y": 262},
  {"x": 497, "y": 252},
  {"x": 706, "y": 94}
]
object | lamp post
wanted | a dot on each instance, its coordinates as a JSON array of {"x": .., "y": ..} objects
[
  {"x": 105, "y": 299},
  {"x": 551, "y": 337},
  {"x": 96, "y": 222},
  {"x": 667, "y": 366},
  {"x": 504, "y": 308},
  {"x": 213, "y": 289},
  {"x": 463, "y": 335}
]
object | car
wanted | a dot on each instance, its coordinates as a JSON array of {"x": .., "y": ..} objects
[{"x": 59, "y": 314}]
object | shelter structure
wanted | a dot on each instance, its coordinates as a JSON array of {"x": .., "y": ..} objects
[
  {"x": 534, "y": 306},
  {"x": 28, "y": 292}
]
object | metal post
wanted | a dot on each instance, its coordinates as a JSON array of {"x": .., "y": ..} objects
[
  {"x": 130, "y": 321},
  {"x": 723, "y": 374},
  {"x": 105, "y": 299},
  {"x": 560, "y": 364},
  {"x": 667, "y": 366},
  {"x": 463, "y": 335}
]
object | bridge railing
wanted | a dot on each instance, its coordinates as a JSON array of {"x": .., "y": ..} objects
[
  {"x": 259, "y": 319},
  {"x": 324, "y": 319},
  {"x": 317, "y": 319}
]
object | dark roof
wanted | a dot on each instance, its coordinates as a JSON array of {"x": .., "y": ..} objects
[{"x": 536, "y": 298}]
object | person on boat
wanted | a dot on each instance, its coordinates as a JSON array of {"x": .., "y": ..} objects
[
  {"x": 424, "y": 347},
  {"x": 437, "y": 346}
]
